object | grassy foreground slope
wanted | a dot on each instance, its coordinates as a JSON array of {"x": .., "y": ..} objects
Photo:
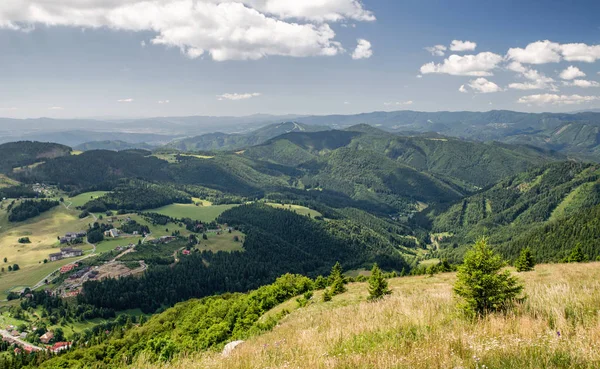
[{"x": 419, "y": 327}]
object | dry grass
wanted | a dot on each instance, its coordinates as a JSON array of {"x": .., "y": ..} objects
[{"x": 419, "y": 327}]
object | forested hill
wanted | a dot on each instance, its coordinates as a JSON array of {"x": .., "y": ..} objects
[
  {"x": 116, "y": 145},
  {"x": 23, "y": 153},
  {"x": 523, "y": 204},
  {"x": 474, "y": 163},
  {"x": 277, "y": 242},
  {"x": 225, "y": 141}
]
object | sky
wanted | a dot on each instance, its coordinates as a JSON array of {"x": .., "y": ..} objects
[{"x": 141, "y": 58}]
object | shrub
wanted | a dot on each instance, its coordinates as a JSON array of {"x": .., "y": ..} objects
[
  {"x": 482, "y": 285},
  {"x": 378, "y": 286},
  {"x": 525, "y": 261}
]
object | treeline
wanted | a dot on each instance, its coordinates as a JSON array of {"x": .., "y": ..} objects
[
  {"x": 23, "y": 153},
  {"x": 30, "y": 208},
  {"x": 20, "y": 191},
  {"x": 137, "y": 195},
  {"x": 276, "y": 242}
]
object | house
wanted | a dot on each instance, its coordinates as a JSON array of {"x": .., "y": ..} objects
[
  {"x": 67, "y": 268},
  {"x": 186, "y": 252},
  {"x": 67, "y": 252},
  {"x": 60, "y": 346},
  {"x": 167, "y": 239},
  {"x": 114, "y": 233},
  {"x": 15, "y": 333},
  {"x": 23, "y": 335},
  {"x": 55, "y": 256},
  {"x": 72, "y": 236},
  {"x": 47, "y": 337}
]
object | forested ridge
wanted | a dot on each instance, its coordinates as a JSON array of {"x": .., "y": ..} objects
[{"x": 277, "y": 242}]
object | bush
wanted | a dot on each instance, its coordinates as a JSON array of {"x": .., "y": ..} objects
[
  {"x": 24, "y": 240},
  {"x": 577, "y": 255},
  {"x": 525, "y": 261},
  {"x": 481, "y": 283},
  {"x": 378, "y": 286}
]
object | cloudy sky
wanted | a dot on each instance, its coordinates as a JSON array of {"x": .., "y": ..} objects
[{"x": 134, "y": 58}]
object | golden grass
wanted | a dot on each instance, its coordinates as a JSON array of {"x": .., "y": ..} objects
[{"x": 419, "y": 327}]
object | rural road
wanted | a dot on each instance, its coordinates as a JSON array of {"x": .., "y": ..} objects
[{"x": 19, "y": 341}]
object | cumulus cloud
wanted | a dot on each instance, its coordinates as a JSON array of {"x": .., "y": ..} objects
[
  {"x": 363, "y": 50},
  {"x": 541, "y": 52},
  {"x": 163, "y": 101},
  {"x": 482, "y": 85},
  {"x": 235, "y": 96},
  {"x": 571, "y": 73},
  {"x": 398, "y": 103},
  {"x": 223, "y": 29},
  {"x": 463, "y": 89},
  {"x": 479, "y": 65},
  {"x": 582, "y": 83},
  {"x": 56, "y": 108},
  {"x": 555, "y": 99},
  {"x": 128, "y": 100},
  {"x": 437, "y": 50},
  {"x": 537, "y": 80},
  {"x": 458, "y": 45}
]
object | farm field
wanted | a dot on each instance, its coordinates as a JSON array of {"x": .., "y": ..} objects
[
  {"x": 7, "y": 182},
  {"x": 302, "y": 210},
  {"x": 109, "y": 244},
  {"x": 83, "y": 198},
  {"x": 201, "y": 213},
  {"x": 222, "y": 242}
]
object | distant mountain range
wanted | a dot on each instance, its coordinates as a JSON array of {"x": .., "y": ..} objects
[{"x": 576, "y": 134}]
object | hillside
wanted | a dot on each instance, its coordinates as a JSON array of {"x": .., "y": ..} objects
[
  {"x": 24, "y": 153},
  {"x": 416, "y": 327},
  {"x": 224, "y": 141},
  {"x": 519, "y": 204}
]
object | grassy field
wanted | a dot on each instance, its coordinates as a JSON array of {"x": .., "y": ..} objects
[
  {"x": 7, "y": 182},
  {"x": 201, "y": 213},
  {"x": 222, "y": 242},
  {"x": 83, "y": 198},
  {"x": 419, "y": 327},
  {"x": 302, "y": 210},
  {"x": 109, "y": 244}
]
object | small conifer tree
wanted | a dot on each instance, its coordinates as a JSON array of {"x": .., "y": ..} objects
[
  {"x": 577, "y": 255},
  {"x": 482, "y": 284},
  {"x": 525, "y": 262},
  {"x": 378, "y": 286},
  {"x": 336, "y": 280},
  {"x": 326, "y": 295}
]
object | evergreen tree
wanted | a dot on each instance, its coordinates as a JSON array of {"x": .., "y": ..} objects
[
  {"x": 326, "y": 295},
  {"x": 577, "y": 255},
  {"x": 481, "y": 283},
  {"x": 525, "y": 261},
  {"x": 378, "y": 286},
  {"x": 336, "y": 279}
]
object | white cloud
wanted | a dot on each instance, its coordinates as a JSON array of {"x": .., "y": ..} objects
[
  {"x": 539, "y": 52},
  {"x": 223, "y": 29},
  {"x": 467, "y": 65},
  {"x": 56, "y": 108},
  {"x": 143, "y": 43},
  {"x": 125, "y": 100},
  {"x": 571, "y": 73},
  {"x": 236, "y": 96},
  {"x": 398, "y": 103},
  {"x": 516, "y": 67},
  {"x": 163, "y": 101},
  {"x": 437, "y": 50},
  {"x": 363, "y": 50},
  {"x": 582, "y": 83},
  {"x": 581, "y": 52},
  {"x": 346, "y": 103},
  {"x": 557, "y": 99},
  {"x": 537, "y": 80},
  {"x": 421, "y": 76},
  {"x": 463, "y": 89},
  {"x": 458, "y": 45},
  {"x": 482, "y": 85}
]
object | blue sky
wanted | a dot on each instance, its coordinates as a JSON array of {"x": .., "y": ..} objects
[{"x": 134, "y": 58}]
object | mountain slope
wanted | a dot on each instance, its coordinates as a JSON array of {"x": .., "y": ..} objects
[
  {"x": 224, "y": 141},
  {"x": 19, "y": 154},
  {"x": 115, "y": 145}
]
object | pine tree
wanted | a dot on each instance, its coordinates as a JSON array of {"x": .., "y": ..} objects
[
  {"x": 525, "y": 262},
  {"x": 326, "y": 295},
  {"x": 378, "y": 286},
  {"x": 577, "y": 255},
  {"x": 336, "y": 279},
  {"x": 481, "y": 283}
]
